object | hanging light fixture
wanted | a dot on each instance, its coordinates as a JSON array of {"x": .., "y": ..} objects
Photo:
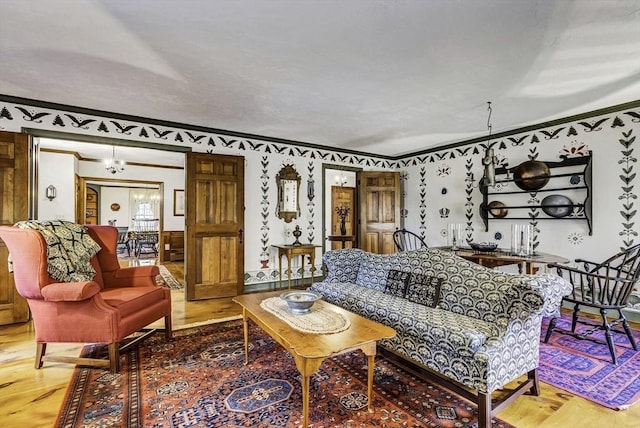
[
  {"x": 341, "y": 179},
  {"x": 113, "y": 165},
  {"x": 489, "y": 160}
]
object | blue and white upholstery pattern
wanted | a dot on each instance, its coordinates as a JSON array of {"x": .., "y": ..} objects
[{"x": 484, "y": 331}]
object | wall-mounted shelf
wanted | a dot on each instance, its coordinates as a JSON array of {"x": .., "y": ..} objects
[{"x": 581, "y": 192}]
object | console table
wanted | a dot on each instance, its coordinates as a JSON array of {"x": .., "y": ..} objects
[
  {"x": 290, "y": 251},
  {"x": 502, "y": 258},
  {"x": 343, "y": 239}
]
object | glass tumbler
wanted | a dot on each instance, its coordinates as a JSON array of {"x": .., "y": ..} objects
[
  {"x": 522, "y": 239},
  {"x": 455, "y": 235}
]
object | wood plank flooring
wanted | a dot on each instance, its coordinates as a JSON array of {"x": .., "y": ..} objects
[{"x": 32, "y": 398}]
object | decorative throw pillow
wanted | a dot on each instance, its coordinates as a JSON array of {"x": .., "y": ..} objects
[
  {"x": 396, "y": 282},
  {"x": 424, "y": 289}
]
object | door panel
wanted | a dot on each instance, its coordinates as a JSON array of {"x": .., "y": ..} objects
[
  {"x": 379, "y": 210},
  {"x": 214, "y": 264},
  {"x": 14, "y": 177}
]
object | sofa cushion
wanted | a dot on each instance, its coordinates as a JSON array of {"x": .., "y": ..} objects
[
  {"x": 397, "y": 283},
  {"x": 342, "y": 265},
  {"x": 452, "y": 333},
  {"x": 130, "y": 300},
  {"x": 373, "y": 271},
  {"x": 423, "y": 289}
]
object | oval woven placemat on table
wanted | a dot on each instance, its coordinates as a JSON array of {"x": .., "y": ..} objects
[{"x": 320, "y": 320}]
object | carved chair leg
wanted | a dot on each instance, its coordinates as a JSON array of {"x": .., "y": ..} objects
[
  {"x": 609, "y": 336},
  {"x": 574, "y": 319},
  {"x": 484, "y": 410},
  {"x": 41, "y": 348},
  {"x": 627, "y": 330},
  {"x": 552, "y": 325},
  {"x": 114, "y": 357},
  {"x": 168, "y": 329}
]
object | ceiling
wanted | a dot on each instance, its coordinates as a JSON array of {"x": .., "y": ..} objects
[
  {"x": 93, "y": 151},
  {"x": 384, "y": 77}
]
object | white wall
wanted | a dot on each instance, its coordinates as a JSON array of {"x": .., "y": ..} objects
[
  {"x": 423, "y": 178},
  {"x": 59, "y": 169},
  {"x": 56, "y": 169},
  {"x": 114, "y": 195},
  {"x": 568, "y": 238},
  {"x": 172, "y": 179}
]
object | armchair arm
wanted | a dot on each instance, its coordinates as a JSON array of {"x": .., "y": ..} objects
[
  {"x": 552, "y": 289},
  {"x": 69, "y": 291},
  {"x": 589, "y": 266},
  {"x": 597, "y": 290},
  {"x": 137, "y": 276}
]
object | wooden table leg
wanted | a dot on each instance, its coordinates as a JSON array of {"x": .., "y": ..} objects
[
  {"x": 288, "y": 272},
  {"x": 371, "y": 360},
  {"x": 313, "y": 263},
  {"x": 305, "y": 400},
  {"x": 280, "y": 269},
  {"x": 529, "y": 267},
  {"x": 306, "y": 367},
  {"x": 369, "y": 350},
  {"x": 245, "y": 327}
]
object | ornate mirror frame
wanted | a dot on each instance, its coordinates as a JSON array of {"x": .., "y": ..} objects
[{"x": 288, "y": 193}]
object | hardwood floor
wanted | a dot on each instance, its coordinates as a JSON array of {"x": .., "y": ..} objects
[{"x": 31, "y": 398}]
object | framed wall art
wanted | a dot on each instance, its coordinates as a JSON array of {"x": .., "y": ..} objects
[{"x": 178, "y": 202}]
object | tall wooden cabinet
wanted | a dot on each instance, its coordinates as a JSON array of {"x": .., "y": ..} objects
[{"x": 91, "y": 207}]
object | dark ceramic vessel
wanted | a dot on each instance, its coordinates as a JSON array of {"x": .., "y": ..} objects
[{"x": 531, "y": 175}]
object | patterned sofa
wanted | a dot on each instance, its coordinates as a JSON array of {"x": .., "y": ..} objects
[{"x": 471, "y": 327}]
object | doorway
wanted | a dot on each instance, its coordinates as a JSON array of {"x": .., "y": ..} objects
[{"x": 339, "y": 184}]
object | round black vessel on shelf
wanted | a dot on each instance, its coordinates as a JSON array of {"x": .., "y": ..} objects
[
  {"x": 497, "y": 209},
  {"x": 531, "y": 175},
  {"x": 556, "y": 206}
]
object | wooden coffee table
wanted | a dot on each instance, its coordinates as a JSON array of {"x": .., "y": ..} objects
[{"x": 310, "y": 350}]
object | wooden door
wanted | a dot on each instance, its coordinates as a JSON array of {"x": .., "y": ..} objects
[
  {"x": 14, "y": 167},
  {"x": 80, "y": 200},
  {"x": 379, "y": 195},
  {"x": 343, "y": 196},
  {"x": 214, "y": 264}
]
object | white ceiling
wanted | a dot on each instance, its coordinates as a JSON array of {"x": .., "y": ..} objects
[
  {"x": 386, "y": 77},
  {"x": 93, "y": 151}
]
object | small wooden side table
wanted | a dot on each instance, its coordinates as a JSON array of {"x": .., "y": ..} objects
[
  {"x": 343, "y": 239},
  {"x": 290, "y": 251}
]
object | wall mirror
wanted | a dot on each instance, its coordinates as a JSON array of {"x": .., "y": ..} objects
[{"x": 288, "y": 193}]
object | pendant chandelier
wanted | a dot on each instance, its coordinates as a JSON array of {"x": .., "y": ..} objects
[{"x": 113, "y": 165}]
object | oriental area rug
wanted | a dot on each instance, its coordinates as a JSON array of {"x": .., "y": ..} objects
[
  {"x": 165, "y": 279},
  {"x": 584, "y": 368},
  {"x": 198, "y": 379}
]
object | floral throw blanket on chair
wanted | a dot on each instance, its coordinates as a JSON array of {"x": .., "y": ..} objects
[{"x": 69, "y": 249}]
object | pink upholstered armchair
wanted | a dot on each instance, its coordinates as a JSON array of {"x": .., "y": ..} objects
[{"x": 115, "y": 304}]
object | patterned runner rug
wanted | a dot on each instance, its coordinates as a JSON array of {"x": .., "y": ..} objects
[
  {"x": 199, "y": 379},
  {"x": 165, "y": 279},
  {"x": 584, "y": 368}
]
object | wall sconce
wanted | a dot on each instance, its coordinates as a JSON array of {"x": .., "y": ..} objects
[{"x": 51, "y": 192}]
